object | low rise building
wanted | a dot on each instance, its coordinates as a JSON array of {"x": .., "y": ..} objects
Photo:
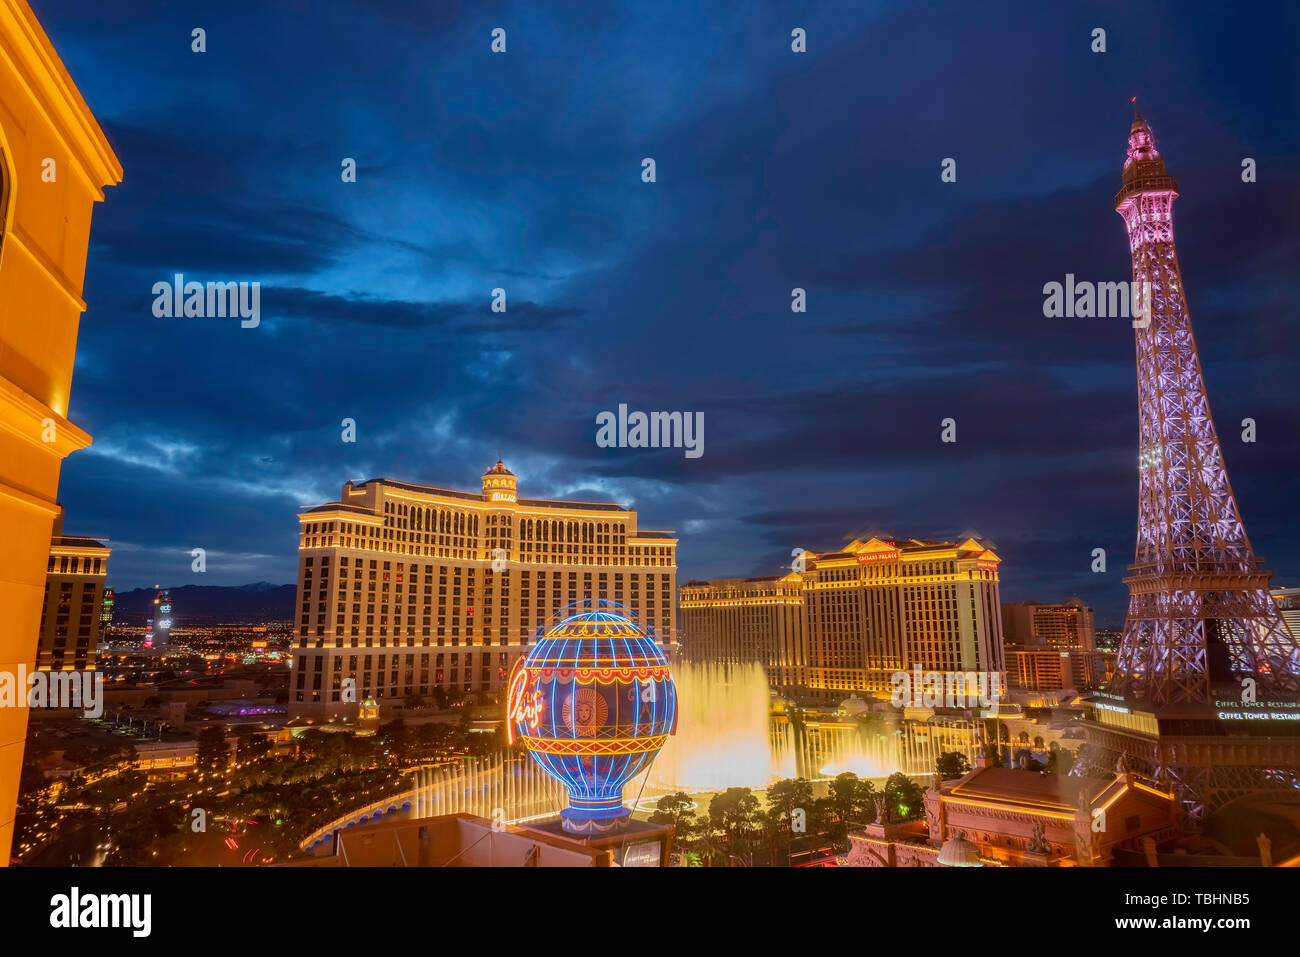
[
  {"x": 1044, "y": 669},
  {"x": 1010, "y": 817}
]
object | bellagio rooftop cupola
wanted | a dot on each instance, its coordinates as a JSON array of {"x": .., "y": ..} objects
[{"x": 499, "y": 484}]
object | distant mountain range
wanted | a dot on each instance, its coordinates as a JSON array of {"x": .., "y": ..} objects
[{"x": 209, "y": 604}]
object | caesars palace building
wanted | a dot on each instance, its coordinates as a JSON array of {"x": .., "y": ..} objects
[{"x": 407, "y": 588}]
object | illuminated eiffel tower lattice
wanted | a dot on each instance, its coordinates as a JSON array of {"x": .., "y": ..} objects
[{"x": 1200, "y": 613}]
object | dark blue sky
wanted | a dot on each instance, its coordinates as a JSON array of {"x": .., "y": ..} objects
[{"x": 775, "y": 170}]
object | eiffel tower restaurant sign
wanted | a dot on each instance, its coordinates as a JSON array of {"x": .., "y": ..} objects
[{"x": 1230, "y": 710}]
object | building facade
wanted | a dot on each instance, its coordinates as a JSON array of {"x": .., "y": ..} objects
[
  {"x": 742, "y": 620},
  {"x": 1288, "y": 605},
  {"x": 881, "y": 607},
  {"x": 865, "y": 613},
  {"x": 1031, "y": 624},
  {"x": 106, "y": 614},
  {"x": 71, "y": 626},
  {"x": 1013, "y": 818},
  {"x": 1042, "y": 669},
  {"x": 161, "y": 622},
  {"x": 44, "y": 233},
  {"x": 407, "y": 588}
]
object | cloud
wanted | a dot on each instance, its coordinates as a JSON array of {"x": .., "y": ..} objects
[{"x": 776, "y": 170}]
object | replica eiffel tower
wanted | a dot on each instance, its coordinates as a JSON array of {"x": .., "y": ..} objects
[{"x": 1207, "y": 670}]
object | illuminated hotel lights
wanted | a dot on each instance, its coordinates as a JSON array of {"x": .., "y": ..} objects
[
  {"x": 754, "y": 620},
  {"x": 46, "y": 228},
  {"x": 498, "y": 568},
  {"x": 864, "y": 613},
  {"x": 72, "y": 616}
]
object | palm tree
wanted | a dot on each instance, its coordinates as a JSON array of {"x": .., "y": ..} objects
[{"x": 710, "y": 845}]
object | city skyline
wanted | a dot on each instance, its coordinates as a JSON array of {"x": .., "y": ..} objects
[
  {"x": 683, "y": 438},
  {"x": 924, "y": 297}
]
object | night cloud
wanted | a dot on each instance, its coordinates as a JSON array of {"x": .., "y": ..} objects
[{"x": 775, "y": 170}]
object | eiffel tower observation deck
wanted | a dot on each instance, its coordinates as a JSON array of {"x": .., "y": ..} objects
[{"x": 1206, "y": 694}]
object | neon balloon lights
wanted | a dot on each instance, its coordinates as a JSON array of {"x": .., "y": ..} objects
[{"x": 593, "y": 702}]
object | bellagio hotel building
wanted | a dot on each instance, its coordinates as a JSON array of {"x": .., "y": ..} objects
[
  {"x": 406, "y": 588},
  {"x": 847, "y": 621}
]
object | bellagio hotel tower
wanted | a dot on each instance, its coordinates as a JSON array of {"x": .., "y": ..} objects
[{"x": 405, "y": 588}]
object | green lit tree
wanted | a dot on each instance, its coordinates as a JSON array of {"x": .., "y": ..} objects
[{"x": 904, "y": 799}]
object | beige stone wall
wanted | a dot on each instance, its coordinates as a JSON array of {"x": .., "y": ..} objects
[{"x": 42, "y": 266}]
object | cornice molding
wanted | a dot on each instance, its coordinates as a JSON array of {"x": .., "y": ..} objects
[
  {"x": 25, "y": 416},
  {"x": 28, "y": 50}
]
